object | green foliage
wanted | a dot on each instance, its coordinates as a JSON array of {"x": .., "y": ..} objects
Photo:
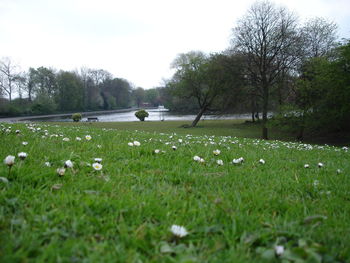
[
  {"x": 76, "y": 117},
  {"x": 141, "y": 115}
]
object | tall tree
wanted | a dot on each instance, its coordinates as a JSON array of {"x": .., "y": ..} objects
[
  {"x": 266, "y": 36},
  {"x": 8, "y": 75}
]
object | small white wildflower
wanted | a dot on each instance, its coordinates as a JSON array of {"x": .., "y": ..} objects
[
  {"x": 202, "y": 160},
  {"x": 9, "y": 160},
  {"x": 174, "y": 147},
  {"x": 338, "y": 171},
  {"x": 279, "y": 250},
  {"x": 306, "y": 166},
  {"x": 68, "y": 164},
  {"x": 156, "y": 151},
  {"x": 48, "y": 164},
  {"x": 22, "y": 155},
  {"x": 18, "y": 131},
  {"x": 238, "y": 161},
  {"x": 66, "y": 139},
  {"x": 77, "y": 138},
  {"x": 60, "y": 171},
  {"x": 216, "y": 152},
  {"x": 24, "y": 143},
  {"x": 262, "y": 161},
  {"x": 130, "y": 144},
  {"x": 196, "y": 158},
  {"x": 97, "y": 166},
  {"x": 99, "y": 146},
  {"x": 316, "y": 183},
  {"x": 179, "y": 231},
  {"x": 180, "y": 140},
  {"x": 320, "y": 165},
  {"x": 136, "y": 143},
  {"x": 88, "y": 137},
  {"x": 98, "y": 160},
  {"x": 220, "y": 162}
]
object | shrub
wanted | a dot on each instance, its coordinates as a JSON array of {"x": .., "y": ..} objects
[
  {"x": 76, "y": 117},
  {"x": 141, "y": 114}
]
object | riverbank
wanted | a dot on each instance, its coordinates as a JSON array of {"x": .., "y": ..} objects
[{"x": 62, "y": 115}]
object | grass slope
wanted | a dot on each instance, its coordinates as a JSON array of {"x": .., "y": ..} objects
[{"x": 123, "y": 213}]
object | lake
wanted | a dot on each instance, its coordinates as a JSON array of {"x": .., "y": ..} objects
[{"x": 156, "y": 115}]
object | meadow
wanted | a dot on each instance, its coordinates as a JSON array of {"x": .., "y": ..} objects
[{"x": 93, "y": 193}]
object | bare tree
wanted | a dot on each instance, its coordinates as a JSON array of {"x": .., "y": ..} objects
[
  {"x": 266, "y": 36},
  {"x": 319, "y": 37},
  {"x": 8, "y": 77}
]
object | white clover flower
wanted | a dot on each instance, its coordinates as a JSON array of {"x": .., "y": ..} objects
[
  {"x": 97, "y": 166},
  {"x": 24, "y": 143},
  {"x": 174, "y": 147},
  {"x": 216, "y": 152},
  {"x": 9, "y": 160},
  {"x": 156, "y": 151},
  {"x": 178, "y": 231},
  {"x": 196, "y": 158},
  {"x": 98, "y": 160},
  {"x": 262, "y": 161},
  {"x": 68, "y": 164},
  {"x": 66, "y": 139},
  {"x": 180, "y": 140},
  {"x": 88, "y": 137},
  {"x": 48, "y": 164},
  {"x": 77, "y": 138},
  {"x": 306, "y": 166},
  {"x": 279, "y": 250},
  {"x": 22, "y": 155},
  {"x": 320, "y": 165},
  {"x": 130, "y": 144},
  {"x": 136, "y": 143},
  {"x": 220, "y": 162},
  {"x": 60, "y": 171}
]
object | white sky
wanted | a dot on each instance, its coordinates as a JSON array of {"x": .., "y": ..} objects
[{"x": 132, "y": 39}]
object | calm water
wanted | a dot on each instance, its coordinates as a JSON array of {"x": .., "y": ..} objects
[{"x": 155, "y": 115}]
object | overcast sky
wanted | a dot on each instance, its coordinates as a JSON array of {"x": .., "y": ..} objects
[{"x": 132, "y": 39}]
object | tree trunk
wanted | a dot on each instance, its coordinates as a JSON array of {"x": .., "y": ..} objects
[
  {"x": 264, "y": 112},
  {"x": 198, "y": 117}
]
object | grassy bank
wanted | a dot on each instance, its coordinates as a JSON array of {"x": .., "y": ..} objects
[{"x": 267, "y": 208}]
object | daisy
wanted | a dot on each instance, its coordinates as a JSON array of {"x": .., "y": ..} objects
[
  {"x": 78, "y": 138},
  {"x": 88, "y": 137},
  {"x": 262, "y": 161},
  {"x": 22, "y": 155},
  {"x": 136, "y": 143},
  {"x": 216, "y": 152},
  {"x": 306, "y": 166},
  {"x": 65, "y": 139},
  {"x": 68, "y": 164},
  {"x": 156, "y": 151},
  {"x": 180, "y": 140},
  {"x": 48, "y": 164},
  {"x": 320, "y": 165},
  {"x": 98, "y": 160},
  {"x": 178, "y": 231},
  {"x": 97, "y": 166},
  {"x": 9, "y": 160},
  {"x": 130, "y": 144},
  {"x": 174, "y": 147},
  {"x": 220, "y": 162},
  {"x": 196, "y": 158},
  {"x": 60, "y": 171},
  {"x": 238, "y": 161},
  {"x": 24, "y": 143}
]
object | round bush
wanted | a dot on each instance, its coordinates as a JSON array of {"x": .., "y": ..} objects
[
  {"x": 76, "y": 117},
  {"x": 141, "y": 114}
]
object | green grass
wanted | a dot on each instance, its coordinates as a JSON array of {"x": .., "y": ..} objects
[{"x": 123, "y": 213}]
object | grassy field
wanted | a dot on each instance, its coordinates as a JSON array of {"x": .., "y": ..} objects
[{"x": 267, "y": 208}]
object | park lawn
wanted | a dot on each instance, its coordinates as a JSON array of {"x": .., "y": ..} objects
[{"x": 268, "y": 208}]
